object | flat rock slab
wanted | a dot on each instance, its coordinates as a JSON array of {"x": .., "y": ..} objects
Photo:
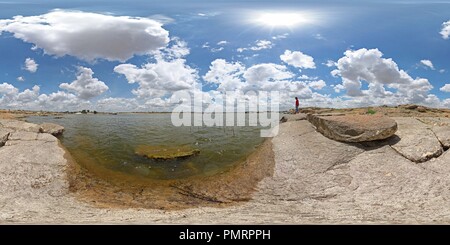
[
  {"x": 304, "y": 157},
  {"x": 165, "y": 152},
  {"x": 439, "y": 165},
  {"x": 293, "y": 117},
  {"x": 435, "y": 121},
  {"x": 440, "y": 127},
  {"x": 32, "y": 171},
  {"x": 418, "y": 142},
  {"x": 389, "y": 186},
  {"x": 354, "y": 128},
  {"x": 20, "y": 125},
  {"x": 23, "y": 135}
]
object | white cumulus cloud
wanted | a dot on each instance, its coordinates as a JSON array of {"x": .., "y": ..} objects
[
  {"x": 259, "y": 45},
  {"x": 8, "y": 92},
  {"x": 60, "y": 101},
  {"x": 160, "y": 78},
  {"x": 445, "y": 32},
  {"x": 28, "y": 95},
  {"x": 177, "y": 49},
  {"x": 32, "y": 100},
  {"x": 427, "y": 63},
  {"x": 215, "y": 50},
  {"x": 329, "y": 63},
  {"x": 387, "y": 84},
  {"x": 85, "y": 86},
  {"x": 298, "y": 59},
  {"x": 30, "y": 65},
  {"x": 266, "y": 72},
  {"x": 118, "y": 104},
  {"x": 445, "y": 88},
  {"x": 88, "y": 36},
  {"x": 227, "y": 75},
  {"x": 317, "y": 85}
]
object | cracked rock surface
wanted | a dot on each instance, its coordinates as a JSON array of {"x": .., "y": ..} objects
[
  {"x": 418, "y": 142},
  {"x": 441, "y": 128}
]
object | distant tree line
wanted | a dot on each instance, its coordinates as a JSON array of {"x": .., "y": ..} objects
[{"x": 87, "y": 111}]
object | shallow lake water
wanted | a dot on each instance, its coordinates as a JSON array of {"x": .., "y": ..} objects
[{"x": 110, "y": 142}]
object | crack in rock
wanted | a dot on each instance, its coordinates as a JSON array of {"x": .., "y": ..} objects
[
  {"x": 4, "y": 139},
  {"x": 418, "y": 142},
  {"x": 189, "y": 193},
  {"x": 341, "y": 162},
  {"x": 322, "y": 197}
]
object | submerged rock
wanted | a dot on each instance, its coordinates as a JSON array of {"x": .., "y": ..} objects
[
  {"x": 165, "y": 152},
  {"x": 354, "y": 128},
  {"x": 52, "y": 128}
]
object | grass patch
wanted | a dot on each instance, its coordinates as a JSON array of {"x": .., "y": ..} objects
[{"x": 371, "y": 111}]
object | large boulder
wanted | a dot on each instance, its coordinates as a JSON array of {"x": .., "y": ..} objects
[
  {"x": 354, "y": 128},
  {"x": 52, "y": 128},
  {"x": 165, "y": 152}
]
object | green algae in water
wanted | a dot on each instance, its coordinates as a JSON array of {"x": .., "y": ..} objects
[{"x": 110, "y": 142}]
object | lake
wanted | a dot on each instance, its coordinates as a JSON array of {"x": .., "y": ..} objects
[{"x": 109, "y": 142}]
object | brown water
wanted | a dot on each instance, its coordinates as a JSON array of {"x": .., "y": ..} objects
[{"x": 109, "y": 142}]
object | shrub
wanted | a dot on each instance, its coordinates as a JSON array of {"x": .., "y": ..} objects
[{"x": 371, "y": 111}]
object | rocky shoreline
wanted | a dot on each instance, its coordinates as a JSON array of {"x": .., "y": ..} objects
[{"x": 312, "y": 179}]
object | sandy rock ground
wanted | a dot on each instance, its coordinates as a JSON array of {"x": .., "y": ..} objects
[{"x": 314, "y": 180}]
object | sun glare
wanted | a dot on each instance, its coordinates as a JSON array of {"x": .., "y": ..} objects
[{"x": 282, "y": 19}]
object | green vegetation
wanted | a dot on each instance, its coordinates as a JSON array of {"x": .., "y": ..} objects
[{"x": 370, "y": 111}]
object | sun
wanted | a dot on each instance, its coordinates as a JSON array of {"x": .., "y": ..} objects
[{"x": 282, "y": 19}]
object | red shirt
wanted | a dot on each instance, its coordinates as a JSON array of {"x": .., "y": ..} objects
[{"x": 297, "y": 103}]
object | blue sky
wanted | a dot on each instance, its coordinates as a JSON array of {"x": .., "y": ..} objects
[{"x": 133, "y": 56}]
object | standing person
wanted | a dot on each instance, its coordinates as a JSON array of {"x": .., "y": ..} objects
[{"x": 296, "y": 105}]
